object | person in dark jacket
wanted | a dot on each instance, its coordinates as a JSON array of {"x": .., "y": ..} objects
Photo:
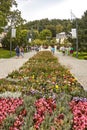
[{"x": 17, "y": 51}]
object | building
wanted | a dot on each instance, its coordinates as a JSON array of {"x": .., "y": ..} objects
[{"x": 60, "y": 37}]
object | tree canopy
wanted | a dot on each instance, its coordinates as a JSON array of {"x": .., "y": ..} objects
[{"x": 7, "y": 15}]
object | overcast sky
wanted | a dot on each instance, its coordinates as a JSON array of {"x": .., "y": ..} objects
[{"x": 51, "y": 9}]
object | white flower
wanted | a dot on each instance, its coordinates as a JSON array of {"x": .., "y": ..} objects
[{"x": 10, "y": 94}]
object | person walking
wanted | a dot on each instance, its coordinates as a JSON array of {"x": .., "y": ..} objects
[
  {"x": 17, "y": 51},
  {"x": 53, "y": 49},
  {"x": 71, "y": 51},
  {"x": 63, "y": 50},
  {"x": 21, "y": 51}
]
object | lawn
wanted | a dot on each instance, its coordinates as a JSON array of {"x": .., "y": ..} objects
[
  {"x": 81, "y": 55},
  {"x": 6, "y": 53}
]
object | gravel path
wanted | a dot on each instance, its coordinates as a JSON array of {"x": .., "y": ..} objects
[
  {"x": 77, "y": 67},
  {"x": 9, "y": 65}
]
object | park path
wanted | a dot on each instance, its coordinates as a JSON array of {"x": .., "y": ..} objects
[
  {"x": 77, "y": 67},
  {"x": 11, "y": 64}
]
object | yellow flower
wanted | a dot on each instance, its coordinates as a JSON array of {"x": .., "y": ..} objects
[
  {"x": 33, "y": 77},
  {"x": 57, "y": 86},
  {"x": 75, "y": 79}
]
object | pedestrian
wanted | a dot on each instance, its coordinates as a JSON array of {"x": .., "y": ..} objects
[
  {"x": 71, "y": 51},
  {"x": 67, "y": 51},
  {"x": 21, "y": 51},
  {"x": 17, "y": 51},
  {"x": 27, "y": 48},
  {"x": 63, "y": 50},
  {"x": 53, "y": 49}
]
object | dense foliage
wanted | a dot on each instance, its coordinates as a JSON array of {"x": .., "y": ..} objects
[
  {"x": 54, "y": 25},
  {"x": 57, "y": 26},
  {"x": 5, "y": 11}
]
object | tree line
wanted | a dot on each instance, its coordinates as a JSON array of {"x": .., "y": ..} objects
[{"x": 39, "y": 31}]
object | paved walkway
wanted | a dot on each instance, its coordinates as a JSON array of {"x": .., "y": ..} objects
[
  {"x": 9, "y": 65},
  {"x": 77, "y": 67}
]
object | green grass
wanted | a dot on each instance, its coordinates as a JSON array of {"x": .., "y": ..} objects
[
  {"x": 6, "y": 53},
  {"x": 81, "y": 55}
]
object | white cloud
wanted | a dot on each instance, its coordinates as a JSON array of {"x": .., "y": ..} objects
[{"x": 59, "y": 9}]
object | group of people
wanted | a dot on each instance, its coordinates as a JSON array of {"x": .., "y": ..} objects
[
  {"x": 67, "y": 50},
  {"x": 19, "y": 51}
]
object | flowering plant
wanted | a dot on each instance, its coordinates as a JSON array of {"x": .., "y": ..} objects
[{"x": 42, "y": 94}]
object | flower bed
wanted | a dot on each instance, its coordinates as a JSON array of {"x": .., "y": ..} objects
[
  {"x": 79, "y": 109},
  {"x": 47, "y": 90},
  {"x": 8, "y": 106}
]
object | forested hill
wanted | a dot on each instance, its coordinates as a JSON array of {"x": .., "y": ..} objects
[
  {"x": 58, "y": 25},
  {"x": 55, "y": 25}
]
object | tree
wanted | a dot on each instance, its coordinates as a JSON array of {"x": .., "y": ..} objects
[
  {"x": 5, "y": 6},
  {"x": 15, "y": 18},
  {"x": 82, "y": 32},
  {"x": 45, "y": 34},
  {"x": 59, "y": 28},
  {"x": 52, "y": 28},
  {"x": 21, "y": 39},
  {"x": 37, "y": 42},
  {"x": 9, "y": 16}
]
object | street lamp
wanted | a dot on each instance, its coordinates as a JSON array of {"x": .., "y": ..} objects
[
  {"x": 13, "y": 32},
  {"x": 13, "y": 35},
  {"x": 11, "y": 23},
  {"x": 72, "y": 15}
]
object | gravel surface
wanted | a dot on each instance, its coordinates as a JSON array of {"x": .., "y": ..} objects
[
  {"x": 9, "y": 65},
  {"x": 77, "y": 67}
]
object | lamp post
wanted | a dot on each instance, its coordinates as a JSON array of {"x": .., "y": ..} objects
[
  {"x": 13, "y": 35},
  {"x": 76, "y": 39},
  {"x": 10, "y": 46},
  {"x": 11, "y": 23},
  {"x": 72, "y": 15}
]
